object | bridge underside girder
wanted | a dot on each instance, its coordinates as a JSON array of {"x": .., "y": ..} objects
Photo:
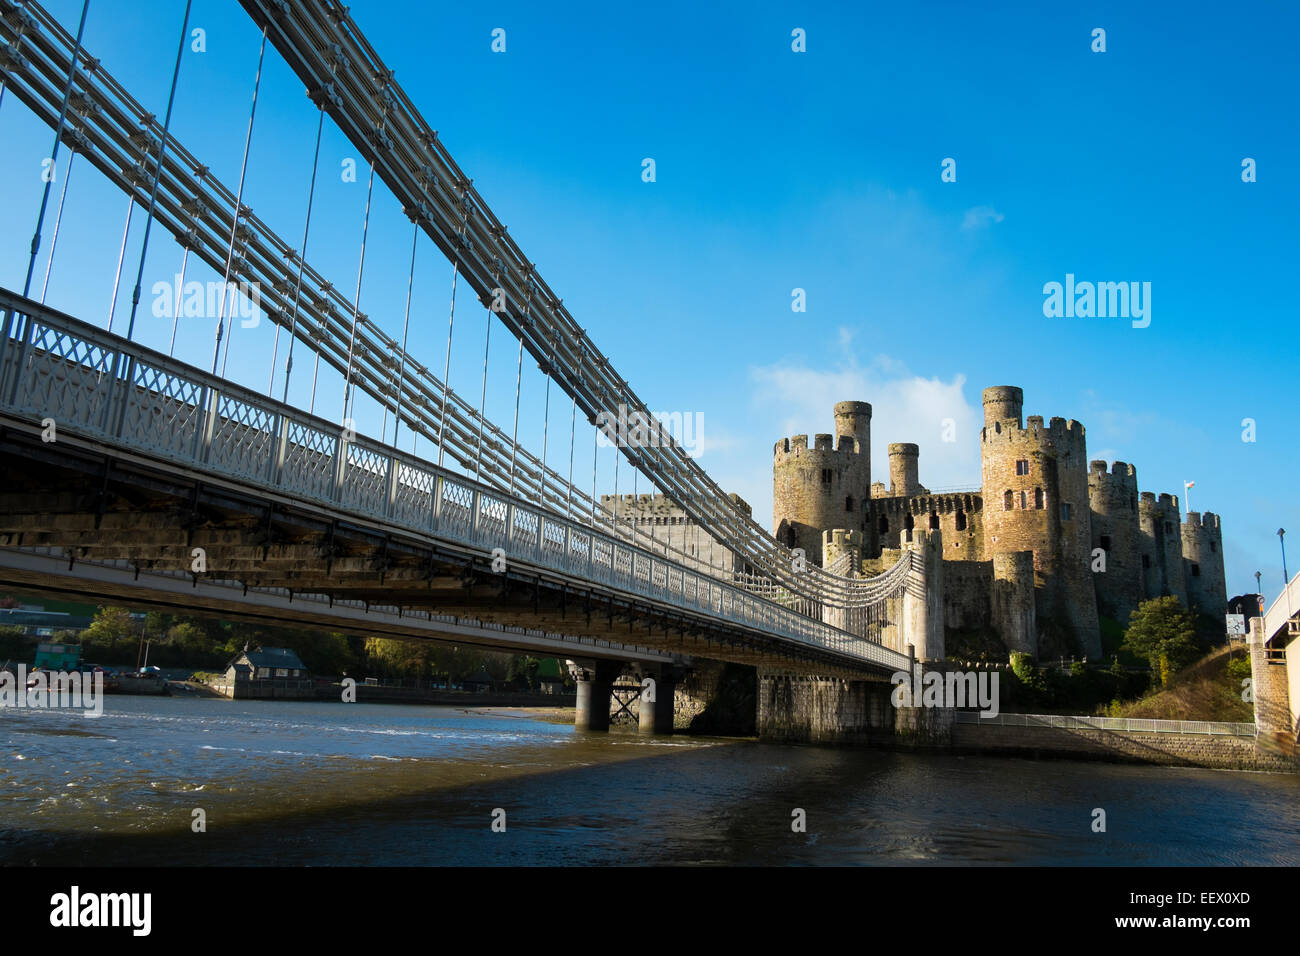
[{"x": 93, "y": 506}]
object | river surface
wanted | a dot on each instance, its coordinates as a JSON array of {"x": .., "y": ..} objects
[{"x": 322, "y": 784}]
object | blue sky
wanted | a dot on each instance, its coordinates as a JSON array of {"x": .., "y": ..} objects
[{"x": 775, "y": 170}]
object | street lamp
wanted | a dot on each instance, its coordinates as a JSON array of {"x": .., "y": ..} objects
[
  {"x": 1259, "y": 594},
  {"x": 1281, "y": 536}
]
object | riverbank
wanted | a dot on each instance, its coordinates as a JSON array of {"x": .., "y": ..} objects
[{"x": 306, "y": 784}]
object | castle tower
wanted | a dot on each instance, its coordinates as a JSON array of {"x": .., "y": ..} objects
[
  {"x": 826, "y": 486},
  {"x": 1035, "y": 482},
  {"x": 1013, "y": 600},
  {"x": 1003, "y": 403},
  {"x": 1207, "y": 589},
  {"x": 1113, "y": 498},
  {"x": 1161, "y": 546},
  {"x": 904, "y": 475}
]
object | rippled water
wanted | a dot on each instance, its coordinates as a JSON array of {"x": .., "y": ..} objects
[{"x": 323, "y": 783}]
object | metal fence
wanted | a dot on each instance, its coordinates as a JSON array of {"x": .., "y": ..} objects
[
  {"x": 101, "y": 387},
  {"x": 1125, "y": 724}
]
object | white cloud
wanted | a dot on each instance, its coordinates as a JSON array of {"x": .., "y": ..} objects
[
  {"x": 905, "y": 408},
  {"x": 978, "y": 217}
]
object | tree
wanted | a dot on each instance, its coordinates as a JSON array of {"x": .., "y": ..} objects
[
  {"x": 110, "y": 625},
  {"x": 1164, "y": 634}
]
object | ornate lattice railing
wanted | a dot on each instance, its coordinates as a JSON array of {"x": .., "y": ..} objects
[{"x": 101, "y": 387}]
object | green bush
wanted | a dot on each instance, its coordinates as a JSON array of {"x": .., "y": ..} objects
[{"x": 1238, "y": 669}]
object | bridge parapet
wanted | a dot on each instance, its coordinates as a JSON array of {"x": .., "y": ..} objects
[{"x": 106, "y": 390}]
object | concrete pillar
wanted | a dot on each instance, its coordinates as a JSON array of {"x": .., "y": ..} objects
[
  {"x": 595, "y": 684},
  {"x": 656, "y": 717}
]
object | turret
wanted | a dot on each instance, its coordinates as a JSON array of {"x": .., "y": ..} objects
[
  {"x": 904, "y": 474},
  {"x": 1003, "y": 403},
  {"x": 1202, "y": 540},
  {"x": 1113, "y": 498},
  {"x": 1161, "y": 547}
]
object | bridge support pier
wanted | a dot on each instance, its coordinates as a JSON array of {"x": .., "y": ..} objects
[
  {"x": 656, "y": 717},
  {"x": 595, "y": 682}
]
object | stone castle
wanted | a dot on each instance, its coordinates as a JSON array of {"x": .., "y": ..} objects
[{"x": 1046, "y": 546}]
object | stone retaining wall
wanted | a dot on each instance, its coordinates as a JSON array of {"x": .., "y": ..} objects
[{"x": 1172, "y": 749}]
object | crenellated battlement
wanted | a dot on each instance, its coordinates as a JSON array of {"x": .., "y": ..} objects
[
  {"x": 798, "y": 446},
  {"x": 926, "y": 503},
  {"x": 1208, "y": 521},
  {"x": 1163, "y": 503},
  {"x": 1112, "y": 487},
  {"x": 659, "y": 504},
  {"x": 842, "y": 538},
  {"x": 1119, "y": 470},
  {"x": 1059, "y": 433}
]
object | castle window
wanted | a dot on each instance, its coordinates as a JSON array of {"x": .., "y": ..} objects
[
  {"x": 1024, "y": 500},
  {"x": 1146, "y": 560},
  {"x": 1065, "y": 511},
  {"x": 1008, "y": 501},
  {"x": 848, "y": 503},
  {"x": 1038, "y": 498},
  {"x": 826, "y": 476},
  {"x": 1132, "y": 503},
  {"x": 934, "y": 522},
  {"x": 1196, "y": 570},
  {"x": 884, "y": 525},
  {"x": 1212, "y": 548},
  {"x": 908, "y": 524},
  {"x": 1105, "y": 542},
  {"x": 1169, "y": 527},
  {"x": 960, "y": 520},
  {"x": 1022, "y": 466}
]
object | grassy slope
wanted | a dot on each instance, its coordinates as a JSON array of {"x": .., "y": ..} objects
[{"x": 1203, "y": 691}]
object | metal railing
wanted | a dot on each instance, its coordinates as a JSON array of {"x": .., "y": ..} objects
[
  {"x": 102, "y": 387},
  {"x": 1126, "y": 724},
  {"x": 119, "y": 136}
]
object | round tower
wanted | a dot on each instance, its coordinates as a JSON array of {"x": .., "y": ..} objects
[
  {"x": 1013, "y": 601},
  {"x": 824, "y": 486},
  {"x": 1113, "y": 498},
  {"x": 1161, "y": 546},
  {"x": 1207, "y": 589},
  {"x": 1003, "y": 403},
  {"x": 904, "y": 474},
  {"x": 1035, "y": 482},
  {"x": 853, "y": 420}
]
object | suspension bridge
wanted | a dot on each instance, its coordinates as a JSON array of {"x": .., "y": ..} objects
[{"x": 131, "y": 472}]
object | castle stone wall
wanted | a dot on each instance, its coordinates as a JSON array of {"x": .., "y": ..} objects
[
  {"x": 662, "y": 519},
  {"x": 967, "y": 594},
  {"x": 958, "y": 515}
]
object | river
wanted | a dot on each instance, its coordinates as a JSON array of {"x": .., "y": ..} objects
[{"x": 320, "y": 784}]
